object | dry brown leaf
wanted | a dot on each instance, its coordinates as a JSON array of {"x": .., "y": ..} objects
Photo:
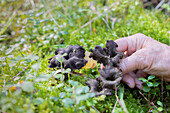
[{"x": 91, "y": 63}]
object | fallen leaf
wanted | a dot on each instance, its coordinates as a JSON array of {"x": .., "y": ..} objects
[
  {"x": 91, "y": 63},
  {"x": 13, "y": 88}
]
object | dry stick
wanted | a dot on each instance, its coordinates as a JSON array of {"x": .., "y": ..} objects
[
  {"x": 148, "y": 101},
  {"x": 113, "y": 21},
  {"x": 96, "y": 17},
  {"x": 160, "y": 4},
  {"x": 50, "y": 13},
  {"x": 107, "y": 24},
  {"x": 114, "y": 107},
  {"x": 95, "y": 109},
  {"x": 32, "y": 3},
  {"x": 8, "y": 23},
  {"x": 119, "y": 100},
  {"x": 148, "y": 4},
  {"x": 106, "y": 20},
  {"x": 20, "y": 72}
]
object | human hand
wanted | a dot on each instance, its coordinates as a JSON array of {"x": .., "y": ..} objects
[{"x": 144, "y": 55}]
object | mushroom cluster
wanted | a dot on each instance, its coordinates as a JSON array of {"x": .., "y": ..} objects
[
  {"x": 73, "y": 57},
  {"x": 70, "y": 57},
  {"x": 111, "y": 74}
]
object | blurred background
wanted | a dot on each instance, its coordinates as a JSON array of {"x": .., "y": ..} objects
[{"x": 31, "y": 30}]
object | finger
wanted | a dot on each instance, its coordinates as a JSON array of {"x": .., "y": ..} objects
[
  {"x": 141, "y": 74},
  {"x": 138, "y": 83},
  {"x": 131, "y": 43},
  {"x": 128, "y": 80},
  {"x": 135, "y": 61}
]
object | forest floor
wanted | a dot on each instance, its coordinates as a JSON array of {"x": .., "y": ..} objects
[{"x": 30, "y": 32}]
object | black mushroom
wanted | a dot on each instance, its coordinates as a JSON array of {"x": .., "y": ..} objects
[
  {"x": 70, "y": 57},
  {"x": 111, "y": 74}
]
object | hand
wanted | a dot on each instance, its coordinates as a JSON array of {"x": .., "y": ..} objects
[{"x": 144, "y": 55}]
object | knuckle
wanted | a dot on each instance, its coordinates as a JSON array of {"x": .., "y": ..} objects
[{"x": 140, "y": 35}]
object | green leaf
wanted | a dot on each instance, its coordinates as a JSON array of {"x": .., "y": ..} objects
[
  {"x": 160, "y": 108},
  {"x": 36, "y": 66},
  {"x": 73, "y": 83},
  {"x": 151, "y": 77},
  {"x": 146, "y": 89},
  {"x": 155, "y": 84},
  {"x": 84, "y": 97},
  {"x": 32, "y": 57},
  {"x": 9, "y": 50},
  {"x": 68, "y": 101},
  {"x": 27, "y": 86},
  {"x": 143, "y": 79},
  {"x": 68, "y": 89},
  {"x": 101, "y": 98},
  {"x": 121, "y": 92},
  {"x": 67, "y": 70},
  {"x": 60, "y": 85},
  {"x": 43, "y": 77},
  {"x": 2, "y": 58},
  {"x": 83, "y": 89},
  {"x": 149, "y": 84},
  {"x": 62, "y": 94},
  {"x": 159, "y": 103},
  {"x": 38, "y": 101},
  {"x": 54, "y": 98},
  {"x": 65, "y": 54},
  {"x": 30, "y": 111},
  {"x": 168, "y": 87},
  {"x": 59, "y": 76}
]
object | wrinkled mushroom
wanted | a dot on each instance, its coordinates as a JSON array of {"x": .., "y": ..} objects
[
  {"x": 94, "y": 88},
  {"x": 111, "y": 74},
  {"x": 72, "y": 57}
]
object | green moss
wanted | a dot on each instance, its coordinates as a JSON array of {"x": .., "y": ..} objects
[{"x": 41, "y": 31}]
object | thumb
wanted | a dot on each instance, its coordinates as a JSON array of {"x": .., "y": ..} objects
[{"x": 133, "y": 62}]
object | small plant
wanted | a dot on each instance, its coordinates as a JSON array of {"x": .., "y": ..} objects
[{"x": 149, "y": 83}]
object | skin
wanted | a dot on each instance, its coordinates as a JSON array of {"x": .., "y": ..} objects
[{"x": 144, "y": 55}]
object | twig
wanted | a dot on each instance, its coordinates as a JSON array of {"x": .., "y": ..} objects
[
  {"x": 96, "y": 17},
  {"x": 149, "y": 101},
  {"x": 8, "y": 23},
  {"x": 148, "y": 3},
  {"x": 20, "y": 73},
  {"x": 50, "y": 13},
  {"x": 107, "y": 24},
  {"x": 114, "y": 107},
  {"x": 113, "y": 21},
  {"x": 119, "y": 100},
  {"x": 159, "y": 5},
  {"x": 95, "y": 109},
  {"x": 32, "y": 3}
]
